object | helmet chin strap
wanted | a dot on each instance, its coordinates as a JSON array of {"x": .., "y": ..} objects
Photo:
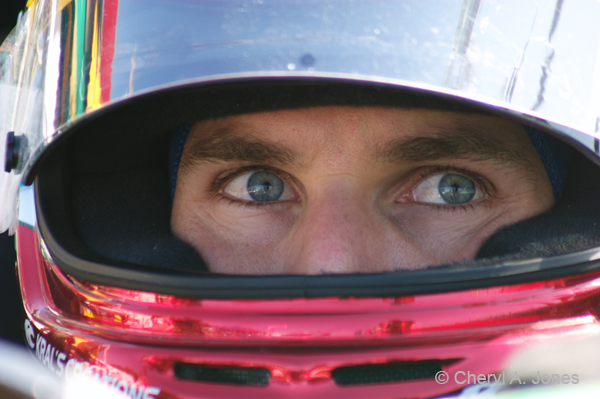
[{"x": 555, "y": 156}]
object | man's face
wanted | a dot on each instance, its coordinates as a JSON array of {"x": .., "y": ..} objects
[{"x": 352, "y": 189}]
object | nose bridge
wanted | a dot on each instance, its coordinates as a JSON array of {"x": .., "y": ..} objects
[{"x": 336, "y": 232}]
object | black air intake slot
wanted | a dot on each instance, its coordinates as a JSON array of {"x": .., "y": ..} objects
[
  {"x": 382, "y": 373},
  {"x": 256, "y": 376}
]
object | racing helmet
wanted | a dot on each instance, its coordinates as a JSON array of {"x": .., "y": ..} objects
[{"x": 92, "y": 93}]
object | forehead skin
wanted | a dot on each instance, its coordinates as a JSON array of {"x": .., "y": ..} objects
[{"x": 349, "y": 167}]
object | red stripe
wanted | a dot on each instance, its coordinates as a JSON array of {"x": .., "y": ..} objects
[{"x": 109, "y": 29}]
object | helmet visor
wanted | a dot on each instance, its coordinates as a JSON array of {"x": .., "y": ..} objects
[{"x": 535, "y": 57}]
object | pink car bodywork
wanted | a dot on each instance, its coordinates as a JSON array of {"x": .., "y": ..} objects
[{"x": 81, "y": 329}]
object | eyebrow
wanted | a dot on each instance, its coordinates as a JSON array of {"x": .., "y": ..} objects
[
  {"x": 225, "y": 145},
  {"x": 466, "y": 144}
]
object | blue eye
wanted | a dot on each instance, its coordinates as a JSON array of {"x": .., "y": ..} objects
[
  {"x": 450, "y": 189},
  {"x": 456, "y": 189},
  {"x": 260, "y": 186},
  {"x": 265, "y": 186}
]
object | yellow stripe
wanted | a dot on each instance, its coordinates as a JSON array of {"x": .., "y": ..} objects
[
  {"x": 61, "y": 3},
  {"x": 93, "y": 100}
]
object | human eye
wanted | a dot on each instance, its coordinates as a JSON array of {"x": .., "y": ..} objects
[
  {"x": 446, "y": 189},
  {"x": 259, "y": 186}
]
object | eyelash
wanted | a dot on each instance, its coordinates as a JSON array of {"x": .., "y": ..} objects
[
  {"x": 219, "y": 184},
  {"x": 245, "y": 204},
  {"x": 481, "y": 184}
]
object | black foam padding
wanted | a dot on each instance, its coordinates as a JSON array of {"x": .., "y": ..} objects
[
  {"x": 126, "y": 217},
  {"x": 118, "y": 196},
  {"x": 573, "y": 224},
  {"x": 381, "y": 373},
  {"x": 254, "y": 376}
]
